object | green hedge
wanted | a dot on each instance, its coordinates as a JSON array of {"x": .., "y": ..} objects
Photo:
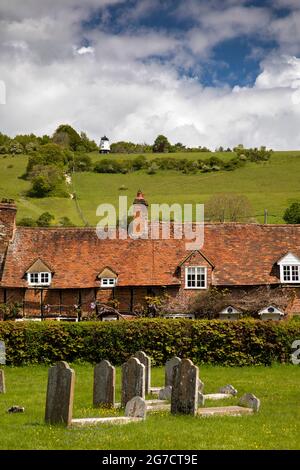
[{"x": 243, "y": 342}]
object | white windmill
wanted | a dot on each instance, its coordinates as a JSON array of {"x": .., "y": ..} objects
[{"x": 104, "y": 145}]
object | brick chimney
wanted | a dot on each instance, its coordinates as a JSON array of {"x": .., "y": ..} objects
[
  {"x": 140, "y": 218},
  {"x": 8, "y": 211}
]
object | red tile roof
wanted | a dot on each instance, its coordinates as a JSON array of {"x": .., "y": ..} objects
[{"x": 242, "y": 254}]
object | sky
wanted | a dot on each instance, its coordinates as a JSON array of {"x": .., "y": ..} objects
[{"x": 205, "y": 73}]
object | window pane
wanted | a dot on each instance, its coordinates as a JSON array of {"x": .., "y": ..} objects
[
  {"x": 295, "y": 273},
  {"x": 286, "y": 273}
]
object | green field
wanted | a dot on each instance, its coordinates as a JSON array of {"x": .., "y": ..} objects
[
  {"x": 276, "y": 426},
  {"x": 272, "y": 185}
]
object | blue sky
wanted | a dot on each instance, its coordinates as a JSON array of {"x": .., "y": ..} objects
[
  {"x": 233, "y": 61},
  {"x": 217, "y": 72}
]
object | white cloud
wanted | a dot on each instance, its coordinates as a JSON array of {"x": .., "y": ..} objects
[
  {"x": 85, "y": 50},
  {"x": 115, "y": 85}
]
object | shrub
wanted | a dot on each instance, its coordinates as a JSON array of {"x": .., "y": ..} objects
[
  {"x": 108, "y": 166},
  {"x": 45, "y": 219},
  {"x": 292, "y": 214},
  {"x": 81, "y": 163},
  {"x": 243, "y": 342},
  {"x": 27, "y": 222},
  {"x": 66, "y": 222}
]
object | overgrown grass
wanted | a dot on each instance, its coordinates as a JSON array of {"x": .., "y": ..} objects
[
  {"x": 271, "y": 185},
  {"x": 276, "y": 426}
]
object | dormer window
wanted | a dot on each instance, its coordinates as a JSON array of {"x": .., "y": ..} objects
[
  {"x": 195, "y": 277},
  {"x": 39, "y": 274},
  {"x": 39, "y": 279},
  {"x": 108, "y": 277},
  {"x": 289, "y": 269},
  {"x": 108, "y": 282}
]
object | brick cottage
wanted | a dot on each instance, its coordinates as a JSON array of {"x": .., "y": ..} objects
[{"x": 56, "y": 272}]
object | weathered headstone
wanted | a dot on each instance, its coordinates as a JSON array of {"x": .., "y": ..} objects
[
  {"x": 2, "y": 381},
  {"x": 228, "y": 389},
  {"x": 200, "y": 386},
  {"x": 201, "y": 399},
  {"x": 133, "y": 380},
  {"x": 60, "y": 394},
  {"x": 136, "y": 408},
  {"x": 2, "y": 353},
  {"x": 146, "y": 361},
  {"x": 184, "y": 397},
  {"x": 250, "y": 401},
  {"x": 169, "y": 368},
  {"x": 104, "y": 384},
  {"x": 165, "y": 393}
]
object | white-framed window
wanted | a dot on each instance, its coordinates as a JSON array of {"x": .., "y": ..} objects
[
  {"x": 39, "y": 279},
  {"x": 195, "y": 277},
  {"x": 108, "y": 282},
  {"x": 290, "y": 273}
]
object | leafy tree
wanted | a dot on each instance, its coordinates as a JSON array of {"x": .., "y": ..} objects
[
  {"x": 3, "y": 149},
  {"x": 66, "y": 136},
  {"x": 161, "y": 144},
  {"x": 88, "y": 144},
  {"x": 45, "y": 219},
  {"x": 46, "y": 180},
  {"x": 41, "y": 186},
  {"x": 49, "y": 154},
  {"x": 16, "y": 148},
  {"x": 81, "y": 163},
  {"x": 228, "y": 207},
  {"x": 292, "y": 214},
  {"x": 45, "y": 139}
]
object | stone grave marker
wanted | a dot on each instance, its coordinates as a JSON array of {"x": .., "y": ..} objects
[
  {"x": 60, "y": 394},
  {"x": 165, "y": 393},
  {"x": 136, "y": 408},
  {"x": 104, "y": 384},
  {"x": 2, "y": 381},
  {"x": 229, "y": 389},
  {"x": 184, "y": 397},
  {"x": 250, "y": 401},
  {"x": 133, "y": 380},
  {"x": 146, "y": 360},
  {"x": 169, "y": 368},
  {"x": 2, "y": 353}
]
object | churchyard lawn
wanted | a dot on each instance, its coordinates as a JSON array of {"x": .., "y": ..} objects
[{"x": 275, "y": 426}]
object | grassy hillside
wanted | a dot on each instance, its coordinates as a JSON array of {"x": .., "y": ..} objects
[{"x": 272, "y": 185}]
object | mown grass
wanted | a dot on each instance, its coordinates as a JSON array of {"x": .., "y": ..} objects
[
  {"x": 271, "y": 185},
  {"x": 276, "y": 426}
]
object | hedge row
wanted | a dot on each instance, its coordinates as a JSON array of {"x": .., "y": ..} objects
[{"x": 243, "y": 342}]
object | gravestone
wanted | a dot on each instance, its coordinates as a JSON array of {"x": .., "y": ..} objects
[
  {"x": 136, "y": 408},
  {"x": 133, "y": 380},
  {"x": 169, "y": 368},
  {"x": 200, "y": 386},
  {"x": 104, "y": 384},
  {"x": 184, "y": 397},
  {"x": 2, "y": 353},
  {"x": 165, "y": 393},
  {"x": 2, "y": 381},
  {"x": 60, "y": 394},
  {"x": 228, "y": 389},
  {"x": 250, "y": 401},
  {"x": 146, "y": 361}
]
